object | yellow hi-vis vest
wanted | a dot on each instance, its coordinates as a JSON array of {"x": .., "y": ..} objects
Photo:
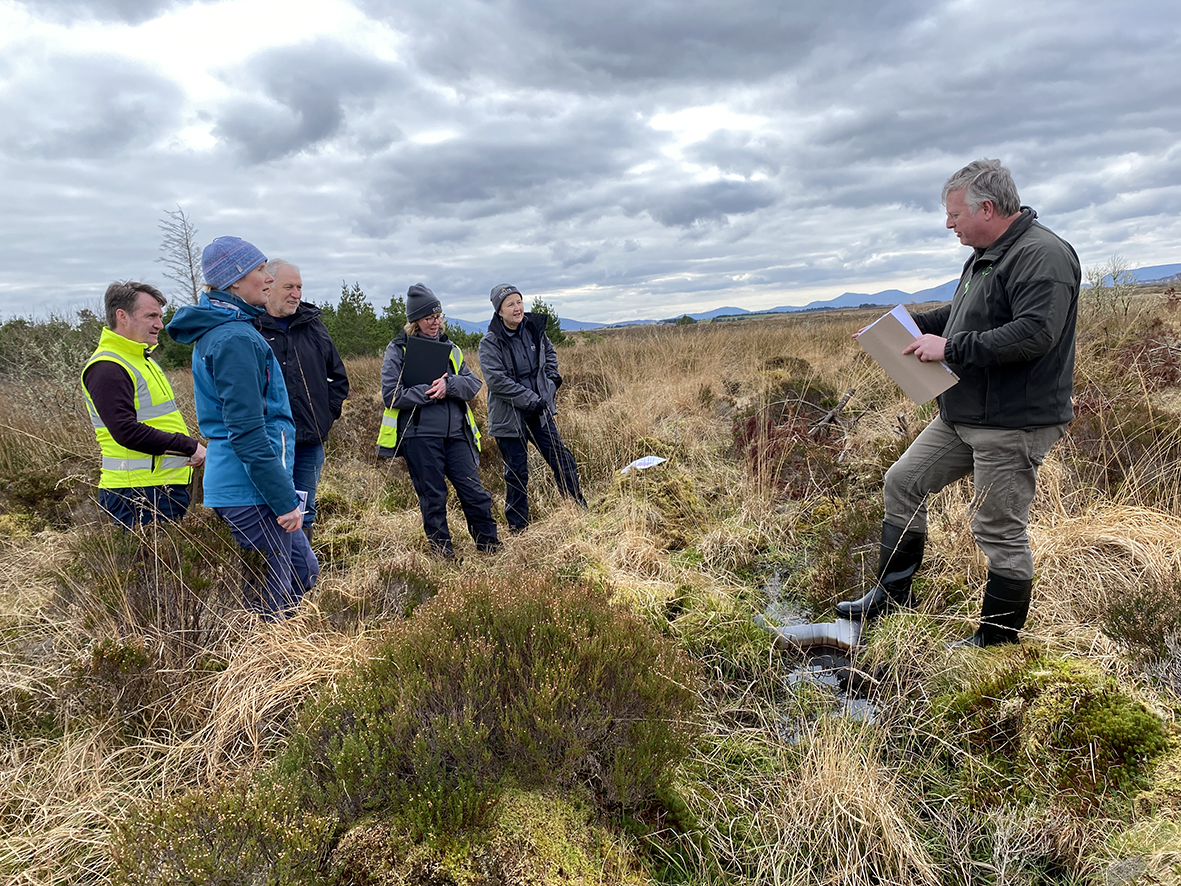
[
  {"x": 387, "y": 437},
  {"x": 155, "y": 406}
]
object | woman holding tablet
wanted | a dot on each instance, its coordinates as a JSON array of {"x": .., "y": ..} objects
[{"x": 431, "y": 426}]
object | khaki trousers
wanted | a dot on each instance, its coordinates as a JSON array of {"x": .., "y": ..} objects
[{"x": 1003, "y": 464}]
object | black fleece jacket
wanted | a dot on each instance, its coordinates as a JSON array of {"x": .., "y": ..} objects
[
  {"x": 317, "y": 383},
  {"x": 1010, "y": 331}
]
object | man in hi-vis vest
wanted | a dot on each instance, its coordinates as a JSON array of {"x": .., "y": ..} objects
[{"x": 147, "y": 454}]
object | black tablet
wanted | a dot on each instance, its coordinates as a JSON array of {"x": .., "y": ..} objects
[{"x": 426, "y": 359}]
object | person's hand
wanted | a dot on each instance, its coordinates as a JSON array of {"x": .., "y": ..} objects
[
  {"x": 859, "y": 331},
  {"x": 197, "y": 458},
  {"x": 291, "y": 521},
  {"x": 438, "y": 388},
  {"x": 538, "y": 406},
  {"x": 928, "y": 348}
]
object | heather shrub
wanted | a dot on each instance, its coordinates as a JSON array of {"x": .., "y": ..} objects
[
  {"x": 236, "y": 834},
  {"x": 177, "y": 583},
  {"x": 515, "y": 680}
]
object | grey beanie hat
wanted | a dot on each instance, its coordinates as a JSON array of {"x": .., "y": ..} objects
[
  {"x": 227, "y": 260},
  {"x": 500, "y": 293},
  {"x": 420, "y": 302}
]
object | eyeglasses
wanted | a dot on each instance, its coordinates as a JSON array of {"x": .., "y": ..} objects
[{"x": 431, "y": 318}]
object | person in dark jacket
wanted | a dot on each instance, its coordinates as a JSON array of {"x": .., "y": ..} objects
[
  {"x": 432, "y": 427},
  {"x": 243, "y": 409},
  {"x": 317, "y": 383},
  {"x": 521, "y": 370},
  {"x": 1009, "y": 334}
]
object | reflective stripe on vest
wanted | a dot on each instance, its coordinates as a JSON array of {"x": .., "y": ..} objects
[
  {"x": 387, "y": 436},
  {"x": 155, "y": 406}
]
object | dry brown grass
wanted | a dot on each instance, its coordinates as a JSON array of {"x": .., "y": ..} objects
[{"x": 776, "y": 805}]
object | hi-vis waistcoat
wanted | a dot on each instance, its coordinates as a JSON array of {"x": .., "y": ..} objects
[
  {"x": 387, "y": 437},
  {"x": 154, "y": 406}
]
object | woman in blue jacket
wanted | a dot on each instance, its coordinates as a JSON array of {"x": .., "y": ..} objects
[
  {"x": 432, "y": 427},
  {"x": 242, "y": 408}
]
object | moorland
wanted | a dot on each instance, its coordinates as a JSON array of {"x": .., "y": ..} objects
[{"x": 596, "y": 703}]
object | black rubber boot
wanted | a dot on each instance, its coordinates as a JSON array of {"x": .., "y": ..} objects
[
  {"x": 309, "y": 531},
  {"x": 900, "y": 554},
  {"x": 1003, "y": 612}
]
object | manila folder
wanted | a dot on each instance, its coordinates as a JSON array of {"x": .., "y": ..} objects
[{"x": 885, "y": 340}]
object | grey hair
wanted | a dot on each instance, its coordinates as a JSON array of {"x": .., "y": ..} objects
[
  {"x": 277, "y": 264},
  {"x": 984, "y": 180},
  {"x": 122, "y": 296}
]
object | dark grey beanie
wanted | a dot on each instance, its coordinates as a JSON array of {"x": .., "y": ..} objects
[
  {"x": 420, "y": 302},
  {"x": 500, "y": 293}
]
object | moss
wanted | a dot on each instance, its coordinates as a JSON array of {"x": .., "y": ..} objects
[
  {"x": 532, "y": 839},
  {"x": 18, "y": 526},
  {"x": 674, "y": 512},
  {"x": 1055, "y": 728}
]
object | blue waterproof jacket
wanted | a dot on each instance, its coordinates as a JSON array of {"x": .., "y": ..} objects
[{"x": 241, "y": 402}]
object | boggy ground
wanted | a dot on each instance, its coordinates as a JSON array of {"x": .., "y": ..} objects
[{"x": 594, "y": 704}]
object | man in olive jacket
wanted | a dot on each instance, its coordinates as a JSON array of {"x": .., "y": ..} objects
[{"x": 1009, "y": 334}]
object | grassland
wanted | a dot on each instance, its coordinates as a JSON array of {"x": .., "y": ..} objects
[{"x": 152, "y": 731}]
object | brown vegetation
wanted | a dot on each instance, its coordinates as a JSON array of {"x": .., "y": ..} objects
[{"x": 132, "y": 682}]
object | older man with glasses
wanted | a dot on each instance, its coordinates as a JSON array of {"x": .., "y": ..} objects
[{"x": 1009, "y": 333}]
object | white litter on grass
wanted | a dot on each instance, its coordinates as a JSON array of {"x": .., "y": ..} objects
[{"x": 640, "y": 464}]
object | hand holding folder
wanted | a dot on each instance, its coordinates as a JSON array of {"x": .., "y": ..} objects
[{"x": 886, "y": 338}]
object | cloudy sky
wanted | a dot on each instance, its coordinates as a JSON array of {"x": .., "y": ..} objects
[{"x": 619, "y": 158}]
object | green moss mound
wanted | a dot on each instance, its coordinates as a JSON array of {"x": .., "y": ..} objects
[{"x": 1039, "y": 726}]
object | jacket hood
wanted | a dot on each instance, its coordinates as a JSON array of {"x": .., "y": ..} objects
[
  {"x": 304, "y": 313},
  {"x": 215, "y": 308},
  {"x": 531, "y": 319}
]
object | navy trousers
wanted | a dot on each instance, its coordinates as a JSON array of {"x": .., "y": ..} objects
[
  {"x": 137, "y": 505},
  {"x": 292, "y": 567},
  {"x": 541, "y": 431},
  {"x": 309, "y": 462},
  {"x": 429, "y": 460}
]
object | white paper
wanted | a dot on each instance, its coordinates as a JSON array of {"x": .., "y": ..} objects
[{"x": 640, "y": 464}]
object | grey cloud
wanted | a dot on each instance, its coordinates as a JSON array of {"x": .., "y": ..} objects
[
  {"x": 740, "y": 153},
  {"x": 92, "y": 107},
  {"x": 306, "y": 91},
  {"x": 132, "y": 12},
  {"x": 596, "y": 46},
  {"x": 710, "y": 202},
  {"x": 494, "y": 169}
]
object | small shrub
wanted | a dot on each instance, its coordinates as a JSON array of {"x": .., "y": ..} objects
[
  {"x": 1147, "y": 618},
  {"x": 517, "y": 681},
  {"x": 233, "y": 835},
  {"x": 178, "y": 583}
]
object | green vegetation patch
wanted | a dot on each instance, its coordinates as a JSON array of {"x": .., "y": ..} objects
[
  {"x": 511, "y": 680},
  {"x": 1038, "y": 726},
  {"x": 531, "y": 838},
  {"x": 493, "y": 686}
]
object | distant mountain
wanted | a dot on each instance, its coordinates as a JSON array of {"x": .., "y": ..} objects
[
  {"x": 942, "y": 292},
  {"x": 1156, "y": 272},
  {"x": 482, "y": 325}
]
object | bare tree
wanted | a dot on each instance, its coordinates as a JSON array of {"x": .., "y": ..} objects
[
  {"x": 179, "y": 253},
  {"x": 1110, "y": 289}
]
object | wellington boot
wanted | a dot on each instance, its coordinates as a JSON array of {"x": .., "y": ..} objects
[
  {"x": 1003, "y": 612},
  {"x": 899, "y": 556},
  {"x": 309, "y": 531}
]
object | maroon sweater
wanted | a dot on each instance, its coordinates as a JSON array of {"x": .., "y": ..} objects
[{"x": 113, "y": 394}]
